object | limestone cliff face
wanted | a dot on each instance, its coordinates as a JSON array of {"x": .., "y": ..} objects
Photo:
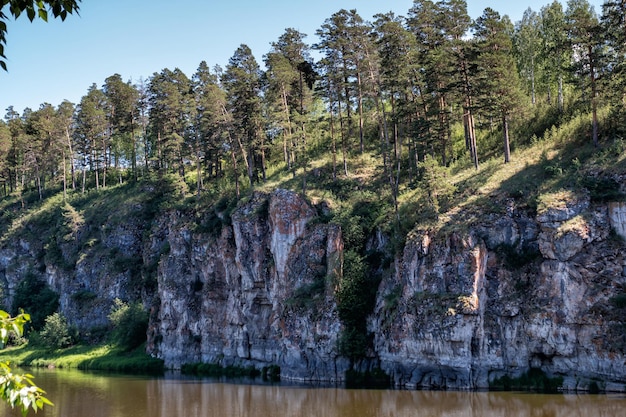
[
  {"x": 231, "y": 299},
  {"x": 458, "y": 307},
  {"x": 456, "y": 314}
]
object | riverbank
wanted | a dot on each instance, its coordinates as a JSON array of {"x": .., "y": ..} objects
[{"x": 97, "y": 357}]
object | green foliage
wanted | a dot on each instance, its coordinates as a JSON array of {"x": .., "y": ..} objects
[
  {"x": 54, "y": 255},
  {"x": 213, "y": 220},
  {"x": 56, "y": 333},
  {"x": 101, "y": 357},
  {"x": 84, "y": 296},
  {"x": 619, "y": 301},
  {"x": 594, "y": 387},
  {"x": 33, "y": 294},
  {"x": 18, "y": 390},
  {"x": 122, "y": 360},
  {"x": 271, "y": 373},
  {"x": 533, "y": 380},
  {"x": 436, "y": 182},
  {"x": 352, "y": 230},
  {"x": 10, "y": 325},
  {"x": 353, "y": 342},
  {"x": 393, "y": 298},
  {"x": 122, "y": 264},
  {"x": 602, "y": 189},
  {"x": 355, "y": 301},
  {"x": 359, "y": 218},
  {"x": 130, "y": 324},
  {"x": 32, "y": 8}
]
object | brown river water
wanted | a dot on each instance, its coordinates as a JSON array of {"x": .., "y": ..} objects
[{"x": 80, "y": 394}]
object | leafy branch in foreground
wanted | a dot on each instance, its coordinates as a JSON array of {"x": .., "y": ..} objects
[
  {"x": 33, "y": 8},
  {"x": 18, "y": 390}
]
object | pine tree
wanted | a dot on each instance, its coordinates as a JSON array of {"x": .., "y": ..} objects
[
  {"x": 396, "y": 51},
  {"x": 290, "y": 77},
  {"x": 65, "y": 117},
  {"x": 527, "y": 43},
  {"x": 614, "y": 29},
  {"x": 339, "y": 71},
  {"x": 584, "y": 37},
  {"x": 499, "y": 86},
  {"x": 208, "y": 143},
  {"x": 122, "y": 100},
  {"x": 556, "y": 53},
  {"x": 242, "y": 82},
  {"x": 91, "y": 131},
  {"x": 16, "y": 151},
  {"x": 171, "y": 106}
]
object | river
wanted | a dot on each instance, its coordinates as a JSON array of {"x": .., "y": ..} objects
[{"x": 82, "y": 394}]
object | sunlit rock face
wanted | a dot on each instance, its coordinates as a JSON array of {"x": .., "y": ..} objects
[
  {"x": 456, "y": 308},
  {"x": 617, "y": 217},
  {"x": 233, "y": 299},
  {"x": 505, "y": 296}
]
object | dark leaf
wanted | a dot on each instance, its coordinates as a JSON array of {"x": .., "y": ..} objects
[
  {"x": 16, "y": 11},
  {"x": 30, "y": 12}
]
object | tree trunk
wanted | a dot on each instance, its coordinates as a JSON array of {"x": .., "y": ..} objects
[
  {"x": 71, "y": 152},
  {"x": 360, "y": 108},
  {"x": 333, "y": 141},
  {"x": 561, "y": 100},
  {"x": 532, "y": 81},
  {"x": 473, "y": 139},
  {"x": 84, "y": 175},
  {"x": 198, "y": 173},
  {"x": 96, "y": 170},
  {"x": 235, "y": 170},
  {"x": 104, "y": 164},
  {"x": 594, "y": 102},
  {"x": 343, "y": 140},
  {"x": 263, "y": 169},
  {"x": 443, "y": 130},
  {"x": 64, "y": 177},
  {"x": 288, "y": 132},
  {"x": 505, "y": 130},
  {"x": 133, "y": 161}
]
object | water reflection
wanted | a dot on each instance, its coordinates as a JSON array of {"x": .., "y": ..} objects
[{"x": 78, "y": 394}]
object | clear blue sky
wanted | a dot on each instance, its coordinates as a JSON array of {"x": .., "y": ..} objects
[{"x": 50, "y": 62}]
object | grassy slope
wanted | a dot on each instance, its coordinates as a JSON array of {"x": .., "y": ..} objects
[{"x": 100, "y": 357}]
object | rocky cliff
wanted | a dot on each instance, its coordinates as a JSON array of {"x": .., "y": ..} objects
[
  {"x": 510, "y": 294},
  {"x": 233, "y": 298},
  {"x": 460, "y": 305}
]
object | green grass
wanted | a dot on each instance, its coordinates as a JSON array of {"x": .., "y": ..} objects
[{"x": 100, "y": 357}]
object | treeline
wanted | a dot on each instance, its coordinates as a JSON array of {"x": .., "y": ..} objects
[{"x": 400, "y": 86}]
